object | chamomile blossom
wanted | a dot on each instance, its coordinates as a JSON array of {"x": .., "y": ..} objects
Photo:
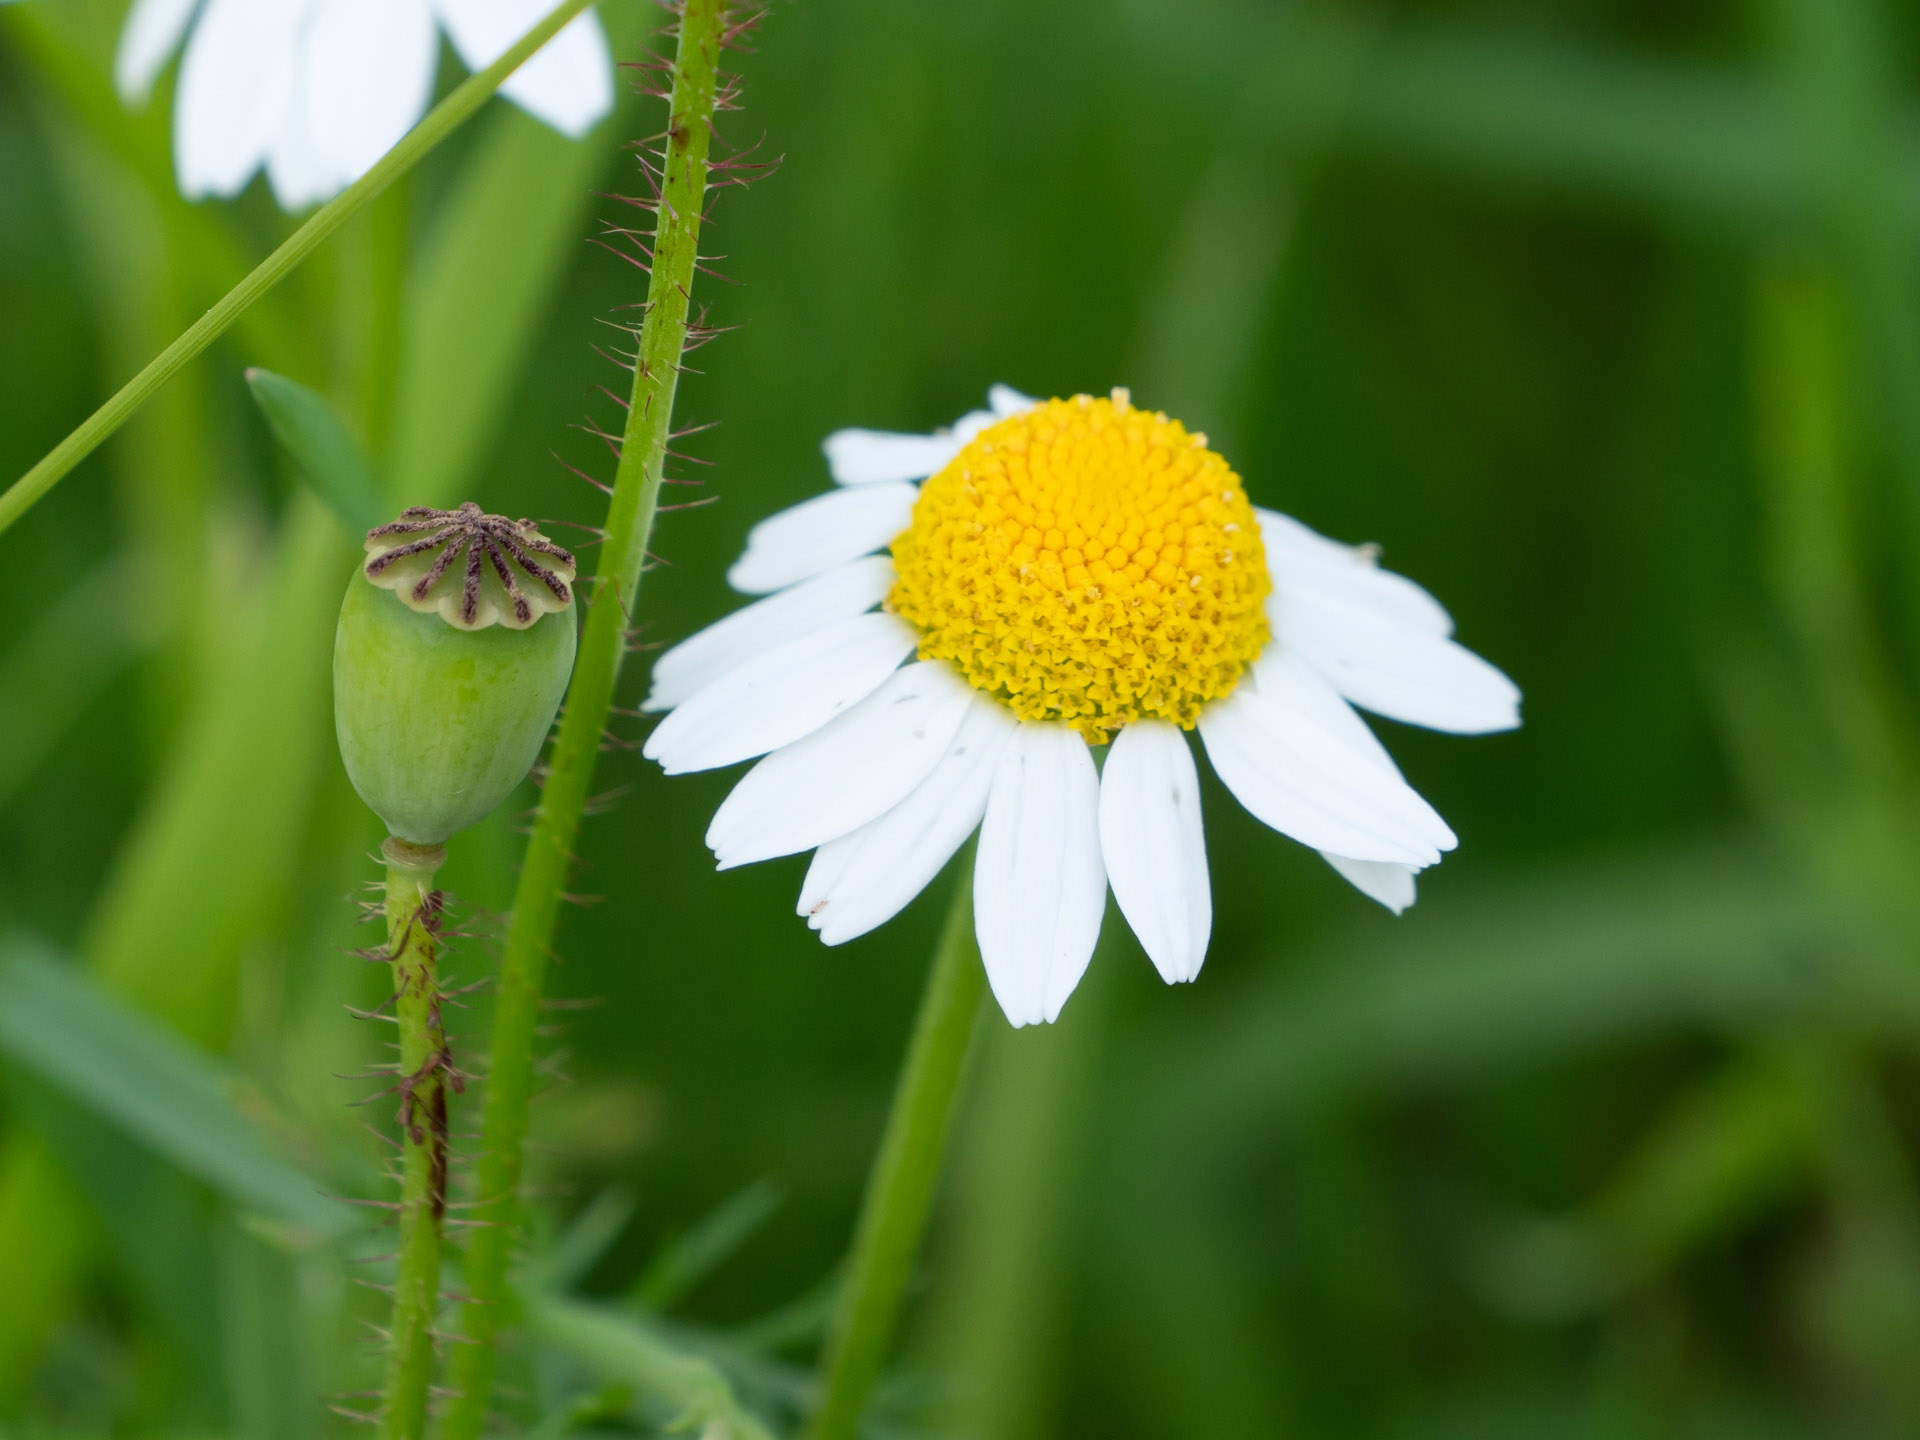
[
  {"x": 948, "y": 636},
  {"x": 317, "y": 90}
]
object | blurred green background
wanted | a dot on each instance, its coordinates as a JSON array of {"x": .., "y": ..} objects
[{"x": 1599, "y": 315}]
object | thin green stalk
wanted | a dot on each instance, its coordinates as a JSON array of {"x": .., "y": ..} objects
[
  {"x": 440, "y": 122},
  {"x": 413, "y": 943},
  {"x": 893, "y": 1214},
  {"x": 1837, "y": 57},
  {"x": 603, "y": 648}
]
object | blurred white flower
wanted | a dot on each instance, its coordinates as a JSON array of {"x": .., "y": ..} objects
[
  {"x": 318, "y": 90},
  {"x": 1072, "y": 574}
]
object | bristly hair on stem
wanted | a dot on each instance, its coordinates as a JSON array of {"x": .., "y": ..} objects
[{"x": 676, "y": 176}]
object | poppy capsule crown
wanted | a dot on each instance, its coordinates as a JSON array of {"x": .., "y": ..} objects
[
  {"x": 470, "y": 568},
  {"x": 455, "y": 642}
]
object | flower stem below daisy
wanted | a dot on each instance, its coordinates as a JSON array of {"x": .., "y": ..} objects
[
  {"x": 413, "y": 942},
  {"x": 589, "y": 702},
  {"x": 893, "y": 1214}
]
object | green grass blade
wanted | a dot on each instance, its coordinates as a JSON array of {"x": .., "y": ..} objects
[
  {"x": 160, "y": 1224},
  {"x": 66, "y": 658},
  {"x": 684, "y": 1262},
  {"x": 689, "y": 1391},
  {"x": 131, "y": 1072},
  {"x": 441, "y": 121},
  {"x": 319, "y": 443}
]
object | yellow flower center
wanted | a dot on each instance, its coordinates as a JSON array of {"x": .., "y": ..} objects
[{"x": 1087, "y": 562}]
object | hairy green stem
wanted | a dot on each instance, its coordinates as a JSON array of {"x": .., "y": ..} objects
[
  {"x": 893, "y": 1214},
  {"x": 603, "y": 648},
  {"x": 413, "y": 942},
  {"x": 440, "y": 122}
]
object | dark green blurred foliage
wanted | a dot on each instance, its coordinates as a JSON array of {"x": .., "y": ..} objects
[{"x": 1599, "y": 315}]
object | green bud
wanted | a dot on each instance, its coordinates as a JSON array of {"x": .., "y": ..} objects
[{"x": 452, "y": 654}]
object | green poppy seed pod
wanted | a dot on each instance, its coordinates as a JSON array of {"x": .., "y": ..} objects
[{"x": 452, "y": 654}]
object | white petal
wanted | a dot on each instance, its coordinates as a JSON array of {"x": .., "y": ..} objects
[
  {"x": 1286, "y": 679},
  {"x": 868, "y": 457},
  {"x": 1004, "y": 400},
  {"x": 1039, "y": 885},
  {"x": 369, "y": 74},
  {"x": 1289, "y": 681},
  {"x": 972, "y": 423},
  {"x": 568, "y": 83},
  {"x": 152, "y": 32},
  {"x": 1304, "y": 781},
  {"x": 299, "y": 174},
  {"x": 1392, "y": 669},
  {"x": 1392, "y": 885},
  {"x": 1154, "y": 847},
  {"x": 818, "y": 534},
  {"x": 845, "y": 773},
  {"x": 775, "y": 698},
  {"x": 864, "y": 879},
  {"x": 704, "y": 657},
  {"x": 1302, "y": 559},
  {"x": 236, "y": 85}
]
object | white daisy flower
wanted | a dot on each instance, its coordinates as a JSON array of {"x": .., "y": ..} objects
[
  {"x": 318, "y": 90},
  {"x": 1071, "y": 574}
]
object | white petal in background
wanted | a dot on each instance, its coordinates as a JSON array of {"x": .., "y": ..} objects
[
  {"x": 1295, "y": 775},
  {"x": 775, "y": 698},
  {"x": 152, "y": 32},
  {"x": 369, "y": 68},
  {"x": 807, "y": 539},
  {"x": 236, "y": 85},
  {"x": 568, "y": 84},
  {"x": 299, "y": 174},
  {"x": 706, "y": 655},
  {"x": 864, "y": 879},
  {"x": 844, "y": 774},
  {"x": 1154, "y": 846},
  {"x": 1039, "y": 885}
]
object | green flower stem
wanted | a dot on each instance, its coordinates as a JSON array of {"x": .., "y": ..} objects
[
  {"x": 603, "y": 648},
  {"x": 893, "y": 1213},
  {"x": 441, "y": 121},
  {"x": 413, "y": 945}
]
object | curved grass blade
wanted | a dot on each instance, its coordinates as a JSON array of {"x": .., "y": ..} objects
[
  {"x": 131, "y": 1072},
  {"x": 441, "y": 121}
]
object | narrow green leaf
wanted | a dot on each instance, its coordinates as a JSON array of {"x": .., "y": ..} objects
[
  {"x": 66, "y": 658},
  {"x": 686, "y": 1260},
  {"x": 687, "y": 1391},
  {"x": 586, "y": 1239},
  {"x": 162, "y": 1226},
  {"x": 131, "y": 1072},
  {"x": 327, "y": 457},
  {"x": 1723, "y": 1154}
]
